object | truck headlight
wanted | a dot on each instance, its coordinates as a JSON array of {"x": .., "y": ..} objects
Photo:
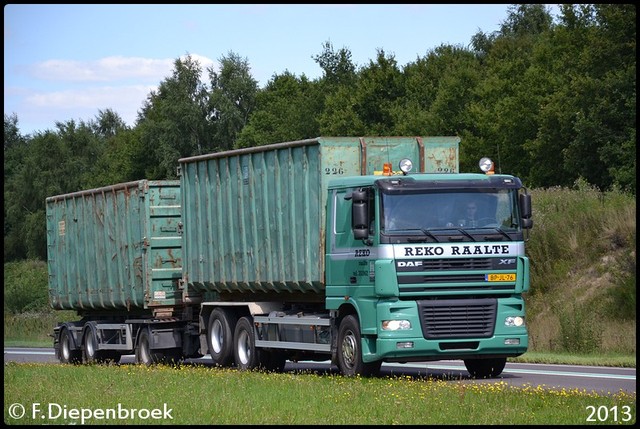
[
  {"x": 395, "y": 325},
  {"x": 514, "y": 321}
]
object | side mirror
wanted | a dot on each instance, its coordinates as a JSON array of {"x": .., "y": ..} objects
[
  {"x": 525, "y": 211},
  {"x": 360, "y": 214}
]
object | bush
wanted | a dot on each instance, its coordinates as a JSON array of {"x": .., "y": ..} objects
[
  {"x": 623, "y": 297},
  {"x": 580, "y": 331},
  {"x": 25, "y": 287}
]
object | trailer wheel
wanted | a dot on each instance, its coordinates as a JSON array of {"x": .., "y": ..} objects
[
  {"x": 220, "y": 336},
  {"x": 67, "y": 353},
  {"x": 90, "y": 352},
  {"x": 485, "y": 368},
  {"x": 350, "y": 350},
  {"x": 246, "y": 355},
  {"x": 144, "y": 354}
]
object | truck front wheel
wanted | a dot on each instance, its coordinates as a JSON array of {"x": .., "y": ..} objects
[
  {"x": 246, "y": 355},
  {"x": 485, "y": 368},
  {"x": 220, "y": 336},
  {"x": 350, "y": 350}
]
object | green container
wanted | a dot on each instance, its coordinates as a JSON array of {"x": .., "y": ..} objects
[
  {"x": 116, "y": 247},
  {"x": 255, "y": 218}
]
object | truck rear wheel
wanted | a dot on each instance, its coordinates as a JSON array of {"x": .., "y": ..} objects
[
  {"x": 245, "y": 352},
  {"x": 220, "y": 336},
  {"x": 350, "y": 350},
  {"x": 485, "y": 368}
]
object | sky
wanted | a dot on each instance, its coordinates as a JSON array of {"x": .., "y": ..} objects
[{"x": 64, "y": 62}]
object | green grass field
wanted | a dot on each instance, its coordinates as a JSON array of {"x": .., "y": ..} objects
[{"x": 92, "y": 394}]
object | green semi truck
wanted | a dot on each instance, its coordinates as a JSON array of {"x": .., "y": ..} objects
[{"x": 326, "y": 249}]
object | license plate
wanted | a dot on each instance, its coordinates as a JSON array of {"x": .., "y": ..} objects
[{"x": 500, "y": 277}]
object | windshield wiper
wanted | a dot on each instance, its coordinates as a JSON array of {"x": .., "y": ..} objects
[
  {"x": 503, "y": 233},
  {"x": 465, "y": 233},
  {"x": 426, "y": 234},
  {"x": 460, "y": 230}
]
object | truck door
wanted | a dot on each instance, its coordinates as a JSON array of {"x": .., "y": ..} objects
[{"x": 349, "y": 260}]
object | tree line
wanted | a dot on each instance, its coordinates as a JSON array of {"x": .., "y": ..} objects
[{"x": 551, "y": 99}]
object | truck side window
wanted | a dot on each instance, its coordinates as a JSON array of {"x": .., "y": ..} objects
[
  {"x": 342, "y": 217},
  {"x": 342, "y": 210}
]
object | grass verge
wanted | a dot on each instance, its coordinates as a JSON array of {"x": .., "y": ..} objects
[{"x": 132, "y": 394}]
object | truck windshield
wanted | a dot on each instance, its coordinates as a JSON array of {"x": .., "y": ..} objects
[{"x": 463, "y": 210}]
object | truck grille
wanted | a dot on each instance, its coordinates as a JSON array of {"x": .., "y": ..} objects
[
  {"x": 433, "y": 277},
  {"x": 457, "y": 264},
  {"x": 457, "y": 318}
]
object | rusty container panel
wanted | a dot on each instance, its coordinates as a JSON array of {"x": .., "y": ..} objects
[
  {"x": 367, "y": 155},
  {"x": 441, "y": 154},
  {"x": 116, "y": 247},
  {"x": 255, "y": 218}
]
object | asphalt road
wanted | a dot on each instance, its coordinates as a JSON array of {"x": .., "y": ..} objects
[{"x": 597, "y": 379}]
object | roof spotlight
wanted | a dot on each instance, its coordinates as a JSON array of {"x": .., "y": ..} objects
[
  {"x": 405, "y": 165},
  {"x": 486, "y": 165}
]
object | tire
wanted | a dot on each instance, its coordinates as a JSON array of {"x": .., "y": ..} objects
[
  {"x": 220, "y": 331},
  {"x": 67, "y": 352},
  {"x": 350, "y": 350},
  {"x": 485, "y": 368},
  {"x": 246, "y": 355},
  {"x": 90, "y": 353},
  {"x": 144, "y": 354}
]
